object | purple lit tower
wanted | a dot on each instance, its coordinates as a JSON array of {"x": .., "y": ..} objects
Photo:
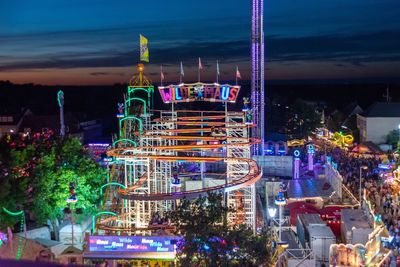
[{"x": 257, "y": 73}]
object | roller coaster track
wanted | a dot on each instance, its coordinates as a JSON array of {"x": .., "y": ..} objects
[
  {"x": 193, "y": 133},
  {"x": 253, "y": 175}
]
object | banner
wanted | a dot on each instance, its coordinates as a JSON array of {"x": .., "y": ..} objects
[
  {"x": 131, "y": 244},
  {"x": 144, "y": 50}
]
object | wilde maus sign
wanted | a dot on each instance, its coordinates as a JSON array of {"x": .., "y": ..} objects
[{"x": 212, "y": 92}]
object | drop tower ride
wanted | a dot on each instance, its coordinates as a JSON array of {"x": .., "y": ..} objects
[{"x": 257, "y": 74}]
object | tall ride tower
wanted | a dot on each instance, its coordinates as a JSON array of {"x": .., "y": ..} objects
[{"x": 257, "y": 73}]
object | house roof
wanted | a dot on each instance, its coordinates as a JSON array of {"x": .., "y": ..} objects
[
  {"x": 352, "y": 108},
  {"x": 37, "y": 122},
  {"x": 383, "y": 109},
  {"x": 14, "y": 116}
]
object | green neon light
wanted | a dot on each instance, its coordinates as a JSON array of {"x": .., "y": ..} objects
[
  {"x": 131, "y": 117},
  {"x": 109, "y": 184},
  {"x": 60, "y": 98},
  {"x": 131, "y": 90},
  {"x": 148, "y": 89},
  {"x": 124, "y": 140},
  {"x": 138, "y": 99},
  {"x": 18, "y": 213},
  {"x": 98, "y": 214},
  {"x": 21, "y": 229}
]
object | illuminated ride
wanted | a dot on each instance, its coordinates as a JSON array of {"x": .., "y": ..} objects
[
  {"x": 162, "y": 156},
  {"x": 342, "y": 140}
]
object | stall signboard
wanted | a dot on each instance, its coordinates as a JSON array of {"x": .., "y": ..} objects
[{"x": 132, "y": 244}]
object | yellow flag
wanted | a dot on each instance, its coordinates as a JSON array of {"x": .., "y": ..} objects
[{"x": 144, "y": 50}]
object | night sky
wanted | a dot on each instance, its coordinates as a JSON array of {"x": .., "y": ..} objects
[{"x": 96, "y": 41}]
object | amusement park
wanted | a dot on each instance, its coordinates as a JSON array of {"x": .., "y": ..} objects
[{"x": 193, "y": 177}]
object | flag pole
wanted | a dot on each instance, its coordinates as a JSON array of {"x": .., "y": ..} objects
[
  {"x": 161, "y": 76},
  {"x": 236, "y": 74},
  {"x": 181, "y": 74},
  {"x": 200, "y": 66},
  {"x": 217, "y": 70},
  {"x": 199, "y": 73}
]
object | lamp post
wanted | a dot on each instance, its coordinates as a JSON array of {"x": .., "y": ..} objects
[
  {"x": 360, "y": 190},
  {"x": 271, "y": 213},
  {"x": 71, "y": 201},
  {"x": 280, "y": 201}
]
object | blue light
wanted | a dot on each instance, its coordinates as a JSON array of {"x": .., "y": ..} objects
[
  {"x": 225, "y": 93},
  {"x": 177, "y": 96},
  {"x": 269, "y": 151},
  {"x": 311, "y": 149},
  {"x": 384, "y": 166}
]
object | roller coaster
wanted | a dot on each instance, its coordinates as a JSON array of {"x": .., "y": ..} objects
[{"x": 163, "y": 156}]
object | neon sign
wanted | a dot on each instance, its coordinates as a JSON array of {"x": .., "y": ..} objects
[
  {"x": 212, "y": 92},
  {"x": 385, "y": 166},
  {"x": 131, "y": 244}
]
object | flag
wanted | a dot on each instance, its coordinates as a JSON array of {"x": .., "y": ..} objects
[
  {"x": 182, "y": 73},
  {"x": 217, "y": 68},
  {"x": 238, "y": 76},
  {"x": 200, "y": 66},
  {"x": 144, "y": 50}
]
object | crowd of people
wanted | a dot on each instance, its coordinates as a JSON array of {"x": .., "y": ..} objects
[{"x": 379, "y": 190}]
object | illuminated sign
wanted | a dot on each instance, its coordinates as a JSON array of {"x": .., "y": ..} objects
[
  {"x": 98, "y": 145},
  {"x": 311, "y": 149},
  {"x": 385, "y": 166},
  {"x": 131, "y": 244},
  {"x": 334, "y": 165},
  {"x": 296, "y": 153},
  {"x": 212, "y": 92}
]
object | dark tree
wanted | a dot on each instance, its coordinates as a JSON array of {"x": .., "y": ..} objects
[{"x": 208, "y": 240}]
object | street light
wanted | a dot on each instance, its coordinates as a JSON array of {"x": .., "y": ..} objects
[
  {"x": 280, "y": 201},
  {"x": 360, "y": 193},
  {"x": 271, "y": 212}
]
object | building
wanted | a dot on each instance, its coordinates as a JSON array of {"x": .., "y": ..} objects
[
  {"x": 10, "y": 121},
  {"x": 23, "y": 121},
  {"x": 377, "y": 121}
]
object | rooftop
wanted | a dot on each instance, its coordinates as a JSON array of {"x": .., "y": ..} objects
[
  {"x": 355, "y": 218},
  {"x": 383, "y": 109},
  {"x": 310, "y": 219},
  {"x": 321, "y": 231},
  {"x": 309, "y": 188}
]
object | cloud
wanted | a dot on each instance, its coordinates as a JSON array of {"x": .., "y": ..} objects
[
  {"x": 338, "y": 48},
  {"x": 103, "y": 73}
]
